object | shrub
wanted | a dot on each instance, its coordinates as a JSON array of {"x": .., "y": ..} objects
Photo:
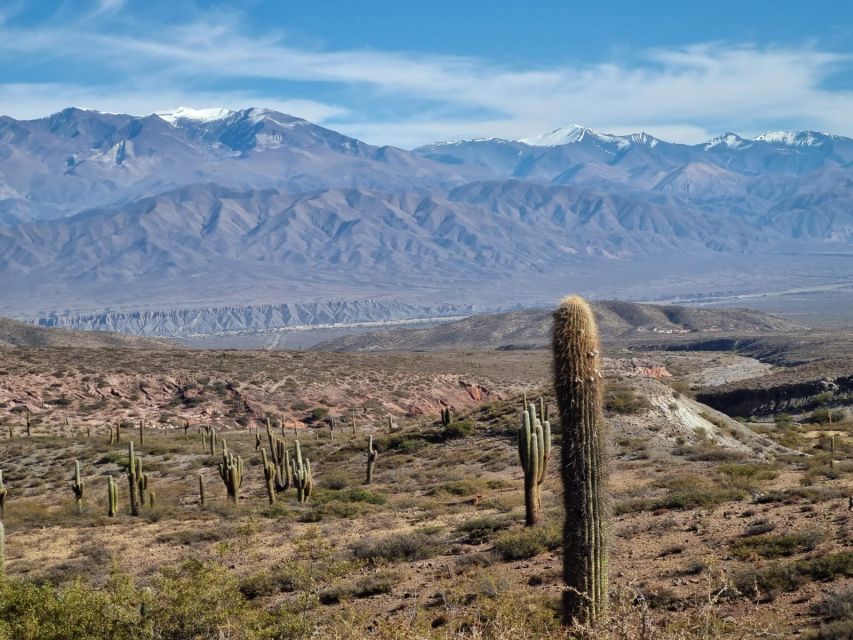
[
  {"x": 398, "y": 547},
  {"x": 479, "y": 530},
  {"x": 787, "y": 577},
  {"x": 623, "y": 399},
  {"x": 774, "y": 546},
  {"x": 527, "y": 542},
  {"x": 459, "y": 429}
]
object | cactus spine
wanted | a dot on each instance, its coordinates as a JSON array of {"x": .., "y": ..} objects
[
  {"x": 372, "y": 454},
  {"x": 534, "y": 450},
  {"x": 579, "y": 388},
  {"x": 269, "y": 476},
  {"x": 77, "y": 487},
  {"x": 112, "y": 497},
  {"x": 231, "y": 472},
  {"x": 3, "y": 492},
  {"x": 302, "y": 478}
]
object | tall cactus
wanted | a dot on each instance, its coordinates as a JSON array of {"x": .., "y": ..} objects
[
  {"x": 132, "y": 480},
  {"x": 29, "y": 425},
  {"x": 302, "y": 477},
  {"x": 2, "y": 549},
  {"x": 269, "y": 476},
  {"x": 112, "y": 497},
  {"x": 534, "y": 450},
  {"x": 372, "y": 454},
  {"x": 77, "y": 486},
  {"x": 281, "y": 460},
  {"x": 137, "y": 480},
  {"x": 201, "y": 495},
  {"x": 231, "y": 472},
  {"x": 446, "y": 416},
  {"x": 142, "y": 433},
  {"x": 579, "y": 389},
  {"x": 3, "y": 492}
]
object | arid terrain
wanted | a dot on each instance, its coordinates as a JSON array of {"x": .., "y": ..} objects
[{"x": 721, "y": 527}]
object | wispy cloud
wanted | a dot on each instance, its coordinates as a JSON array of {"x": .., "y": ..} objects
[{"x": 406, "y": 99}]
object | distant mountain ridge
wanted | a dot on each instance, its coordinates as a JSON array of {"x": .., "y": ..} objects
[
  {"x": 532, "y": 328},
  {"x": 109, "y": 218}
]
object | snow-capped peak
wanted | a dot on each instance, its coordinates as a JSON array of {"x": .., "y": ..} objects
[
  {"x": 570, "y": 135},
  {"x": 198, "y": 115},
  {"x": 730, "y": 140},
  {"x": 794, "y": 138}
]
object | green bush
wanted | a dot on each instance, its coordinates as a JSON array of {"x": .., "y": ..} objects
[
  {"x": 527, "y": 542},
  {"x": 790, "y": 576},
  {"x": 774, "y": 546},
  {"x": 398, "y": 547}
]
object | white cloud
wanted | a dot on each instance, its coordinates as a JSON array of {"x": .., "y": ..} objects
[{"x": 686, "y": 94}]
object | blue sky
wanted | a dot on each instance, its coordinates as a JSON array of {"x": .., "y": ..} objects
[{"x": 408, "y": 72}]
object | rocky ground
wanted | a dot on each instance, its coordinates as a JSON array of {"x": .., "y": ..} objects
[{"x": 717, "y": 523}]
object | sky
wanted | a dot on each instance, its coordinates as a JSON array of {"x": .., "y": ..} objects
[{"x": 409, "y": 72}]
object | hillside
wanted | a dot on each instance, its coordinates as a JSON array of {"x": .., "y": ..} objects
[
  {"x": 21, "y": 334},
  {"x": 526, "y": 329}
]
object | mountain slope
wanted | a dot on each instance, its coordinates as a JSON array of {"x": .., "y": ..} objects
[
  {"x": 532, "y": 328},
  {"x": 109, "y": 218},
  {"x": 21, "y": 334}
]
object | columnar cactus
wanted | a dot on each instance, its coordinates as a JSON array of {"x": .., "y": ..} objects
[
  {"x": 446, "y": 416},
  {"x": 534, "y": 450},
  {"x": 257, "y": 439},
  {"x": 142, "y": 433},
  {"x": 201, "y": 496},
  {"x": 372, "y": 454},
  {"x": 186, "y": 429},
  {"x": 579, "y": 389},
  {"x": 281, "y": 459},
  {"x": 29, "y": 425},
  {"x": 112, "y": 497},
  {"x": 269, "y": 476},
  {"x": 231, "y": 472},
  {"x": 212, "y": 440},
  {"x": 302, "y": 478},
  {"x": 77, "y": 486},
  {"x": 137, "y": 481},
  {"x": 3, "y": 492},
  {"x": 2, "y": 548},
  {"x": 132, "y": 480}
]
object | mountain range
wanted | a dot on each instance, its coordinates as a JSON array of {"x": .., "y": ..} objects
[{"x": 211, "y": 212}]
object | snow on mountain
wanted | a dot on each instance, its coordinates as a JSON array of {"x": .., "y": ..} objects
[
  {"x": 795, "y": 138},
  {"x": 728, "y": 140},
  {"x": 198, "y": 115},
  {"x": 575, "y": 133}
]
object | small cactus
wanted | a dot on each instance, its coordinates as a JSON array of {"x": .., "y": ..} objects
[
  {"x": 186, "y": 429},
  {"x": 446, "y": 417},
  {"x": 302, "y": 477},
  {"x": 534, "y": 450},
  {"x": 29, "y": 426},
  {"x": 231, "y": 472},
  {"x": 372, "y": 454},
  {"x": 77, "y": 486},
  {"x": 112, "y": 497},
  {"x": 269, "y": 476},
  {"x": 257, "y": 439},
  {"x": 2, "y": 549},
  {"x": 3, "y": 492},
  {"x": 142, "y": 433}
]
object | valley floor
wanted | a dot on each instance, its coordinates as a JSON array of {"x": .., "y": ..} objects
[{"x": 721, "y": 528}]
